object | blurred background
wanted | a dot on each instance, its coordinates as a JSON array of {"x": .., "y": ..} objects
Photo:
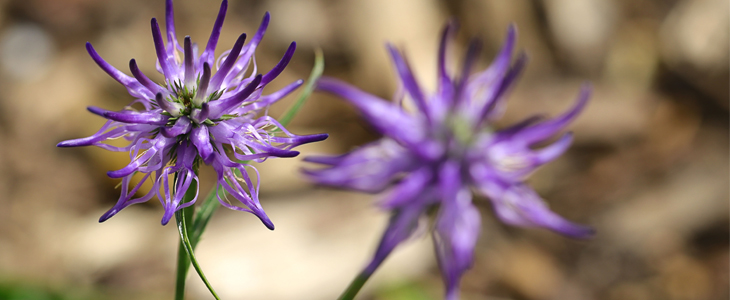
[{"x": 648, "y": 169}]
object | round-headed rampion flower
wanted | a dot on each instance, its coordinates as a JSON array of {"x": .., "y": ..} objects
[
  {"x": 196, "y": 115},
  {"x": 434, "y": 156}
]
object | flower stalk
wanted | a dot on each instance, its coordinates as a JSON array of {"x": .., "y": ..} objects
[{"x": 198, "y": 219}]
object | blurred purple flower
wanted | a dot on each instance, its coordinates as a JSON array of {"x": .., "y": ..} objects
[
  {"x": 437, "y": 154},
  {"x": 196, "y": 116}
]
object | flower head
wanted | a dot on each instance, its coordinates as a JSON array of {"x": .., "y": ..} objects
[
  {"x": 196, "y": 116},
  {"x": 434, "y": 156}
]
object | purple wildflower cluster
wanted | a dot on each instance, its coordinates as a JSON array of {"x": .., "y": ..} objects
[
  {"x": 433, "y": 157},
  {"x": 196, "y": 115}
]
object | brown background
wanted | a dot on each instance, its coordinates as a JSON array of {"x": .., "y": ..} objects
[{"x": 648, "y": 169}]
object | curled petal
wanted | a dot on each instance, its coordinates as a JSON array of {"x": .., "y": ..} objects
[
  {"x": 248, "y": 195},
  {"x": 158, "y": 147},
  {"x": 125, "y": 199},
  {"x": 172, "y": 197}
]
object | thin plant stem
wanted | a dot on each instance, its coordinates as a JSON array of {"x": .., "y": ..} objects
[
  {"x": 183, "y": 261},
  {"x": 182, "y": 228},
  {"x": 355, "y": 286}
]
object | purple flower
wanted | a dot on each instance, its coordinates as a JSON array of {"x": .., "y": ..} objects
[
  {"x": 434, "y": 156},
  {"x": 196, "y": 115}
]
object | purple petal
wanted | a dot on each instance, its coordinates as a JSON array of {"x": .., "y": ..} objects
[
  {"x": 275, "y": 96},
  {"x": 99, "y": 136},
  {"x": 408, "y": 189},
  {"x": 251, "y": 46},
  {"x": 201, "y": 94},
  {"x": 247, "y": 196},
  {"x": 170, "y": 27},
  {"x": 403, "y": 223},
  {"x": 144, "y": 80},
  {"x": 369, "y": 168},
  {"x": 208, "y": 55},
  {"x": 276, "y": 70},
  {"x": 171, "y": 201},
  {"x": 521, "y": 206},
  {"x": 133, "y": 87},
  {"x": 547, "y": 129},
  {"x": 472, "y": 53},
  {"x": 444, "y": 81},
  {"x": 495, "y": 107},
  {"x": 96, "y": 110},
  {"x": 222, "y": 106},
  {"x": 201, "y": 140},
  {"x": 491, "y": 78},
  {"x": 162, "y": 56},
  {"x": 181, "y": 126},
  {"x": 553, "y": 151},
  {"x": 151, "y": 118},
  {"x": 188, "y": 63},
  {"x": 455, "y": 237},
  {"x": 175, "y": 109},
  {"x": 217, "y": 79},
  {"x": 387, "y": 118},
  {"x": 409, "y": 82},
  {"x": 125, "y": 199}
]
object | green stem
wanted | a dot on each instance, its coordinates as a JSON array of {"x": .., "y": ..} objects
[
  {"x": 183, "y": 261},
  {"x": 182, "y": 228},
  {"x": 355, "y": 286}
]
